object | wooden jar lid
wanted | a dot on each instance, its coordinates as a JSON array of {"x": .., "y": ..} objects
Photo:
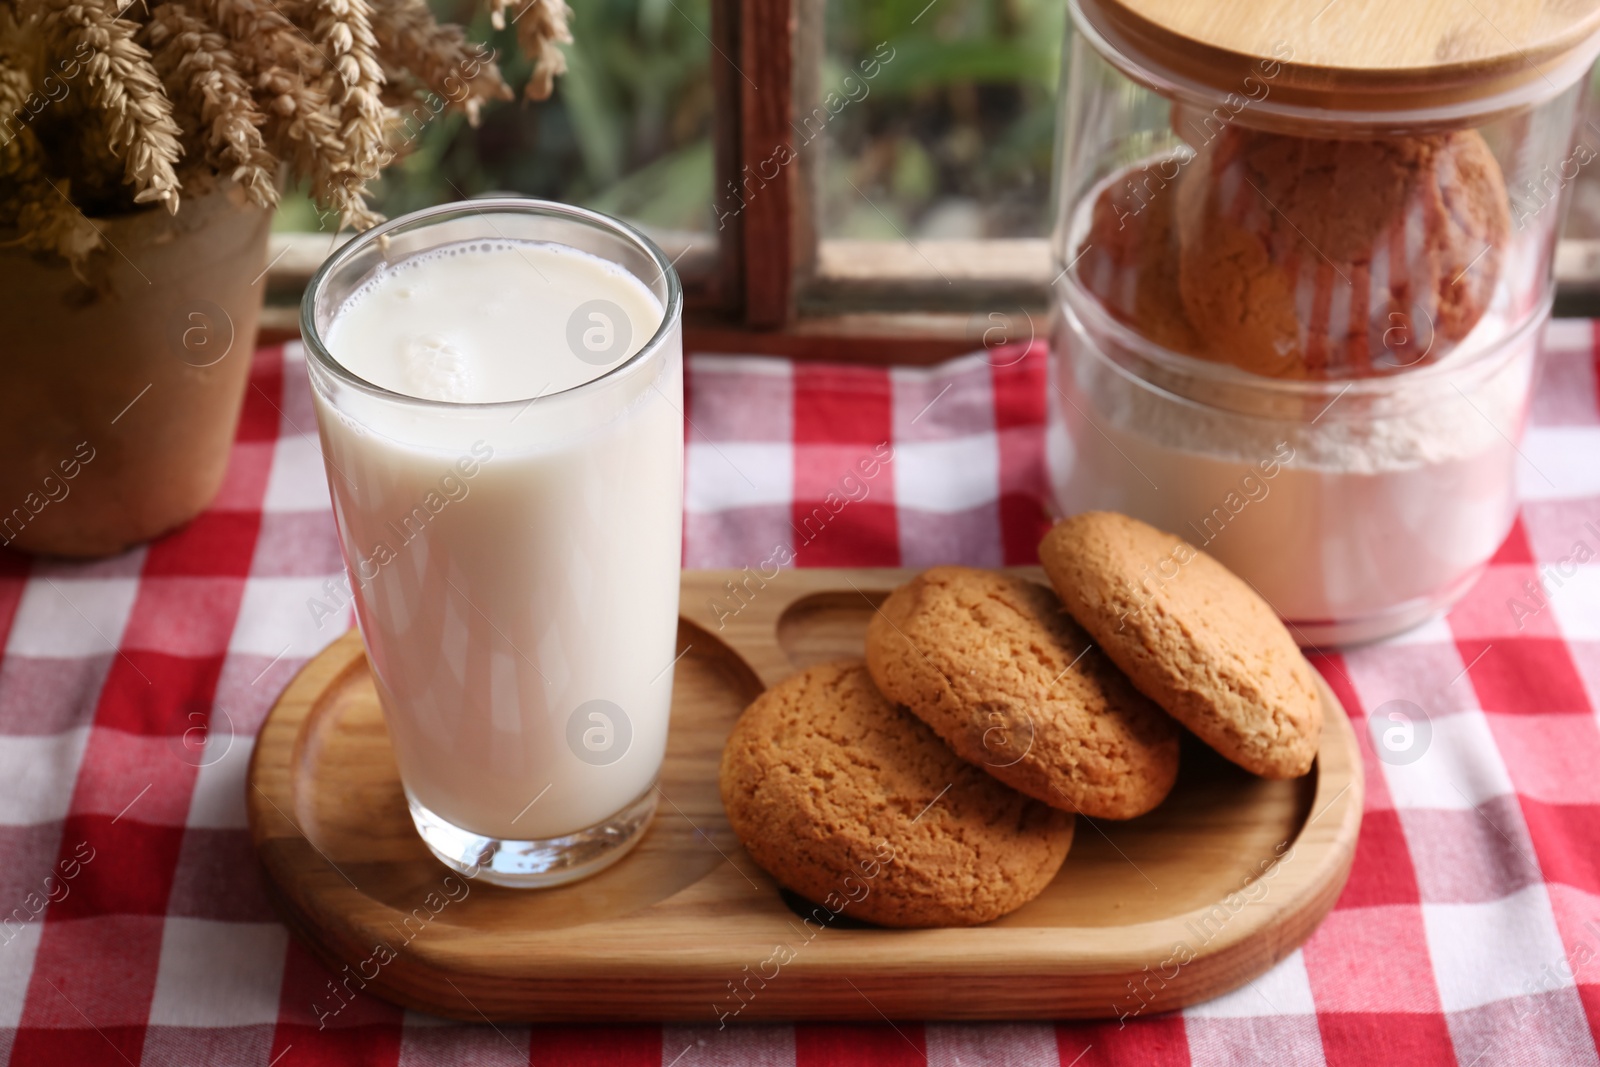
[{"x": 1384, "y": 62}]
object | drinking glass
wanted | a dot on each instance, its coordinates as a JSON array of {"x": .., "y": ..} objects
[{"x": 514, "y": 565}]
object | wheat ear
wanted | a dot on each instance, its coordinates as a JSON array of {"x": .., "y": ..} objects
[
  {"x": 202, "y": 74},
  {"x": 463, "y": 76},
  {"x": 343, "y": 30},
  {"x": 124, "y": 86},
  {"x": 541, "y": 30},
  {"x": 44, "y": 217},
  {"x": 291, "y": 87},
  {"x": 49, "y": 222}
]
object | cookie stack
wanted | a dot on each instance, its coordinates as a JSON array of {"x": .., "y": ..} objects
[{"x": 935, "y": 783}]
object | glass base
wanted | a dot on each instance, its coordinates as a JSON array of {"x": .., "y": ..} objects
[{"x": 535, "y": 864}]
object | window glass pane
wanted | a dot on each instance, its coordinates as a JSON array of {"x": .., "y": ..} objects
[
  {"x": 1581, "y": 169},
  {"x": 627, "y": 132},
  {"x": 934, "y": 120}
]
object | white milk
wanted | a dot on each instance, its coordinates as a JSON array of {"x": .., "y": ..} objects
[{"x": 512, "y": 565}]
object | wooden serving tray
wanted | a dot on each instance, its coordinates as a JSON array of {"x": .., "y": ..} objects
[{"x": 1227, "y": 877}]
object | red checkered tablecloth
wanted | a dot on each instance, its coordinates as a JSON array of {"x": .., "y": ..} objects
[{"x": 133, "y": 923}]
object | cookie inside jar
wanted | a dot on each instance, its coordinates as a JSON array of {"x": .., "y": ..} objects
[
  {"x": 1304, "y": 257},
  {"x": 1304, "y": 260},
  {"x": 1301, "y": 200}
]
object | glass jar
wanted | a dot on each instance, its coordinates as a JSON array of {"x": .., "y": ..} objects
[{"x": 1303, "y": 279}]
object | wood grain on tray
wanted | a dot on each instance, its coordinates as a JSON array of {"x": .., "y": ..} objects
[{"x": 1212, "y": 888}]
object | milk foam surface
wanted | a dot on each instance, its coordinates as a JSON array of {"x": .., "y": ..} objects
[
  {"x": 485, "y": 321},
  {"x": 512, "y": 569}
]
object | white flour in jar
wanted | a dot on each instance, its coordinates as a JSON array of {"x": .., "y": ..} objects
[{"x": 1351, "y": 524}]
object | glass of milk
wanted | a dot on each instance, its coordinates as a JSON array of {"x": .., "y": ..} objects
[{"x": 499, "y": 388}]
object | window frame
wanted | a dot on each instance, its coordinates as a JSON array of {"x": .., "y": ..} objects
[{"x": 772, "y": 286}]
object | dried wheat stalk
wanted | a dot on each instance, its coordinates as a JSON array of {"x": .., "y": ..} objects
[
  {"x": 314, "y": 84},
  {"x": 291, "y": 85},
  {"x": 125, "y": 88},
  {"x": 39, "y": 209},
  {"x": 49, "y": 222},
  {"x": 30, "y": 203},
  {"x": 343, "y": 29},
  {"x": 541, "y": 29},
  {"x": 203, "y": 75},
  {"x": 438, "y": 56}
]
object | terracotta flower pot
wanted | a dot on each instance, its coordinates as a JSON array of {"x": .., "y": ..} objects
[{"x": 120, "y": 391}]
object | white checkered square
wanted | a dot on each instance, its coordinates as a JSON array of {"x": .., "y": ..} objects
[
  {"x": 947, "y": 476},
  {"x": 737, "y": 474},
  {"x": 1575, "y": 599},
  {"x": 1060, "y": 457},
  {"x": 1558, "y": 463},
  {"x": 219, "y": 788},
  {"x": 1461, "y": 768},
  {"x": 39, "y": 773},
  {"x": 1568, "y": 335},
  {"x": 219, "y": 973},
  {"x": 16, "y": 969},
  {"x": 61, "y": 617},
  {"x": 1284, "y": 990},
  {"x": 1490, "y": 950},
  {"x": 1436, "y": 631},
  {"x": 299, "y": 481},
  {"x": 289, "y": 616}
]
